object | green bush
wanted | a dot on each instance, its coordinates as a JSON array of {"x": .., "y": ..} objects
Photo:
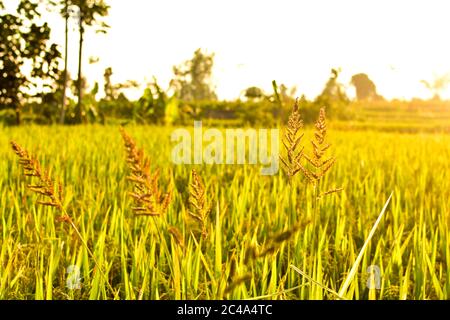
[{"x": 7, "y": 117}]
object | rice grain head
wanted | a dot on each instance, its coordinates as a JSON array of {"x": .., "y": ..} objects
[
  {"x": 51, "y": 195},
  {"x": 148, "y": 199},
  {"x": 199, "y": 207},
  {"x": 291, "y": 142}
]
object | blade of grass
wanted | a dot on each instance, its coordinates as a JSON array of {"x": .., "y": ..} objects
[
  {"x": 316, "y": 283},
  {"x": 354, "y": 268}
]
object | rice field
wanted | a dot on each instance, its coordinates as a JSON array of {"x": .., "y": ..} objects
[{"x": 258, "y": 233}]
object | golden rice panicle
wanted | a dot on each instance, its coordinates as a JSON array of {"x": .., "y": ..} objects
[
  {"x": 45, "y": 187},
  {"x": 321, "y": 165},
  {"x": 199, "y": 208},
  {"x": 291, "y": 141},
  {"x": 135, "y": 157},
  {"x": 148, "y": 198}
]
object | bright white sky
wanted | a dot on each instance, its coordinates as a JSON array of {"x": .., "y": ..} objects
[{"x": 296, "y": 42}]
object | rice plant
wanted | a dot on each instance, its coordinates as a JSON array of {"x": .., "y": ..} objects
[{"x": 141, "y": 230}]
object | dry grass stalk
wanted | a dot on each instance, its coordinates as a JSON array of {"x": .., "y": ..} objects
[
  {"x": 53, "y": 196},
  {"x": 149, "y": 200},
  {"x": 177, "y": 236},
  {"x": 237, "y": 282},
  {"x": 273, "y": 243},
  {"x": 200, "y": 209},
  {"x": 336, "y": 190},
  {"x": 291, "y": 141}
]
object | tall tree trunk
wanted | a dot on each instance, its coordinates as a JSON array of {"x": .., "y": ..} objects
[
  {"x": 63, "y": 105},
  {"x": 18, "y": 116},
  {"x": 79, "y": 111}
]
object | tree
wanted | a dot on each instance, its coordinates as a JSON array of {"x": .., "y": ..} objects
[
  {"x": 253, "y": 93},
  {"x": 89, "y": 14},
  {"x": 333, "y": 91},
  {"x": 65, "y": 13},
  {"x": 66, "y": 10},
  {"x": 110, "y": 93},
  {"x": 288, "y": 94},
  {"x": 365, "y": 88},
  {"x": 25, "y": 41},
  {"x": 438, "y": 84},
  {"x": 192, "y": 81},
  {"x": 50, "y": 102},
  {"x": 153, "y": 103}
]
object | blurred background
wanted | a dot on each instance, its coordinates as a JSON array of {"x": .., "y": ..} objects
[{"x": 372, "y": 64}]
